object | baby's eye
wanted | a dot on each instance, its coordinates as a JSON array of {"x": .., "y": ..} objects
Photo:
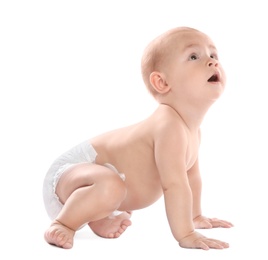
[
  {"x": 214, "y": 56},
  {"x": 193, "y": 57}
]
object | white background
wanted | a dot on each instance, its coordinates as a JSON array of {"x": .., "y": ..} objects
[{"x": 70, "y": 70}]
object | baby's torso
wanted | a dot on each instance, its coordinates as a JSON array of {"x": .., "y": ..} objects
[{"x": 130, "y": 150}]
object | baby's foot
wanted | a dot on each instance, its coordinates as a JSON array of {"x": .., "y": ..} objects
[
  {"x": 112, "y": 226},
  {"x": 59, "y": 235}
]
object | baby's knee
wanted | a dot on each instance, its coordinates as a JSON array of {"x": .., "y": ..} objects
[{"x": 113, "y": 191}]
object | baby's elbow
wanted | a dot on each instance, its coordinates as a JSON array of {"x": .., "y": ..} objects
[
  {"x": 167, "y": 187},
  {"x": 175, "y": 187}
]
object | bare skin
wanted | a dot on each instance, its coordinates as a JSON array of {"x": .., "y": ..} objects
[
  {"x": 109, "y": 227},
  {"x": 59, "y": 235},
  {"x": 159, "y": 156}
]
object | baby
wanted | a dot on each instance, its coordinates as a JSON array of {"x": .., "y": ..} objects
[{"x": 102, "y": 180}]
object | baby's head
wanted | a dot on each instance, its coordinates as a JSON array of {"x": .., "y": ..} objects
[{"x": 169, "y": 54}]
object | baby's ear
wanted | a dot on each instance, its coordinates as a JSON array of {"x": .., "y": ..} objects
[{"x": 159, "y": 83}]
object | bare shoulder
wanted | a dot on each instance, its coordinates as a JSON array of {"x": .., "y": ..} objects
[
  {"x": 168, "y": 123},
  {"x": 171, "y": 145},
  {"x": 171, "y": 137}
]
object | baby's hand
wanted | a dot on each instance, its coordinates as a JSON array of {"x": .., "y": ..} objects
[
  {"x": 203, "y": 222},
  {"x": 196, "y": 240}
]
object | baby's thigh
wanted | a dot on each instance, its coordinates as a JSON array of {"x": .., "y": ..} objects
[{"x": 82, "y": 175}]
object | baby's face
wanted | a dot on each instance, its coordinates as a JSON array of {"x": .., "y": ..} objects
[{"x": 193, "y": 70}]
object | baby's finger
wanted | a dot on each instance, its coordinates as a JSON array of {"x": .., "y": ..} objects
[
  {"x": 216, "y": 244},
  {"x": 202, "y": 245},
  {"x": 220, "y": 223}
]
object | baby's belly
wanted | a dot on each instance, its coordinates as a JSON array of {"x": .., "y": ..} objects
[{"x": 141, "y": 196}]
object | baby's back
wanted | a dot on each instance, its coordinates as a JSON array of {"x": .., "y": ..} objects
[{"x": 131, "y": 151}]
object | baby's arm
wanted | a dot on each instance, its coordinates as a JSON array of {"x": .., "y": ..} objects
[
  {"x": 196, "y": 187},
  {"x": 178, "y": 202},
  {"x": 170, "y": 155},
  {"x": 195, "y": 183}
]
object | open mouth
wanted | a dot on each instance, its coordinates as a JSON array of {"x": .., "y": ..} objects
[{"x": 214, "y": 78}]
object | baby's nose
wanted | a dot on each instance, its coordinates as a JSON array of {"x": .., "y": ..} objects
[{"x": 212, "y": 62}]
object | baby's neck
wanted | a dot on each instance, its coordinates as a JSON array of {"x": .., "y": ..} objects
[{"x": 192, "y": 116}]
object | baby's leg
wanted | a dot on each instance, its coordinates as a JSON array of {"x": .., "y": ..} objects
[{"x": 89, "y": 193}]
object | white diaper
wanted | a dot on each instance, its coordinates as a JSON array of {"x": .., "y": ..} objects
[{"x": 83, "y": 152}]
